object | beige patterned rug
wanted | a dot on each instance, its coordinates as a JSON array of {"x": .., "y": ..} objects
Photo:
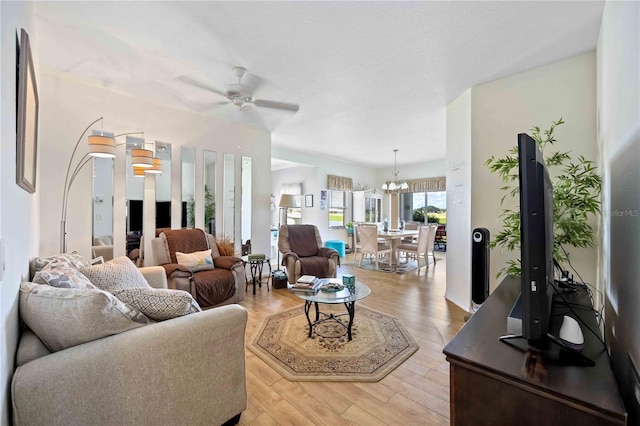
[{"x": 380, "y": 343}]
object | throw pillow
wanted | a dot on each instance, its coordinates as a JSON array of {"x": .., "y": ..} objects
[
  {"x": 73, "y": 260},
  {"x": 116, "y": 274},
  {"x": 62, "y": 276},
  {"x": 65, "y": 317},
  {"x": 196, "y": 261},
  {"x": 159, "y": 304}
]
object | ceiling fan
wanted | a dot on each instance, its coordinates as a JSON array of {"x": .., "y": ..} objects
[{"x": 241, "y": 94}]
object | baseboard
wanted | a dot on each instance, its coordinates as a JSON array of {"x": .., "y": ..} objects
[{"x": 463, "y": 305}]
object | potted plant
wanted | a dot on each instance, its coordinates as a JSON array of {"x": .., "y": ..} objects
[
  {"x": 576, "y": 197},
  {"x": 209, "y": 211},
  {"x": 349, "y": 226}
]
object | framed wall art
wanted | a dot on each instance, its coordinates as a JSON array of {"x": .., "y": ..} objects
[
  {"x": 308, "y": 200},
  {"x": 27, "y": 114}
]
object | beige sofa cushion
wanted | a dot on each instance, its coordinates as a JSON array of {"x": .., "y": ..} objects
[
  {"x": 159, "y": 304},
  {"x": 117, "y": 274},
  {"x": 65, "y": 317}
]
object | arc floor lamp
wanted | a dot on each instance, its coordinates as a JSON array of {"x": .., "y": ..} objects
[{"x": 98, "y": 146}]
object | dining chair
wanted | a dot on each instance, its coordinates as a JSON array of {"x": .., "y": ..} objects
[
  {"x": 370, "y": 244},
  {"x": 419, "y": 248},
  {"x": 411, "y": 226},
  {"x": 356, "y": 238},
  {"x": 430, "y": 242}
]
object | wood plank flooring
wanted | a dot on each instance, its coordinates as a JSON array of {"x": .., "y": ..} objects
[{"x": 415, "y": 393}]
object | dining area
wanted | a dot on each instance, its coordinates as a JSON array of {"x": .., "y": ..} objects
[{"x": 393, "y": 249}]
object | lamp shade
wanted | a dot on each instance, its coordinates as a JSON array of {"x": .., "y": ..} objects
[
  {"x": 138, "y": 171},
  {"x": 141, "y": 158},
  {"x": 102, "y": 146},
  {"x": 157, "y": 166},
  {"x": 288, "y": 200}
]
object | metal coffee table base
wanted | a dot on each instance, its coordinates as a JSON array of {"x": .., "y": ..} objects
[{"x": 351, "y": 311}]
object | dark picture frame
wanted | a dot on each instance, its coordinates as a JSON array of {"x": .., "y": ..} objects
[
  {"x": 27, "y": 118},
  {"x": 308, "y": 200}
]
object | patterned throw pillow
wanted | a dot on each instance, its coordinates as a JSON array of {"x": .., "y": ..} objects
[
  {"x": 62, "y": 276},
  {"x": 65, "y": 317},
  {"x": 159, "y": 304},
  {"x": 72, "y": 260},
  {"x": 196, "y": 261},
  {"x": 116, "y": 274}
]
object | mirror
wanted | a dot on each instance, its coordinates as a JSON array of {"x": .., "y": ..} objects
[
  {"x": 229, "y": 197},
  {"x": 210, "y": 191},
  {"x": 245, "y": 223},
  {"x": 163, "y": 187},
  {"x": 102, "y": 232},
  {"x": 134, "y": 195},
  {"x": 188, "y": 187}
]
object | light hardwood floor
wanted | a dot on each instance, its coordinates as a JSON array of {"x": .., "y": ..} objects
[{"x": 415, "y": 393}]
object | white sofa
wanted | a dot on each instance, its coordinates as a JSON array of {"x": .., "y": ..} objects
[{"x": 187, "y": 370}]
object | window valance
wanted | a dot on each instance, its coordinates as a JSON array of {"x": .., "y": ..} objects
[
  {"x": 339, "y": 183},
  {"x": 427, "y": 185}
]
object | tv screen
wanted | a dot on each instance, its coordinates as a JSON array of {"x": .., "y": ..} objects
[
  {"x": 134, "y": 218},
  {"x": 536, "y": 239},
  {"x": 163, "y": 214}
]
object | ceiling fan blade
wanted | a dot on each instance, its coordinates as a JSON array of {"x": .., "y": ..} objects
[
  {"x": 276, "y": 105},
  {"x": 201, "y": 85}
]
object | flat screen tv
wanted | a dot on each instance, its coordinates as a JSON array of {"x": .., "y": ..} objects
[{"x": 536, "y": 239}]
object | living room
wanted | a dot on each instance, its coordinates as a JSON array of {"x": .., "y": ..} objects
[{"x": 603, "y": 124}]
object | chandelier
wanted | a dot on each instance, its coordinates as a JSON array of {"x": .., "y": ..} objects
[{"x": 395, "y": 184}]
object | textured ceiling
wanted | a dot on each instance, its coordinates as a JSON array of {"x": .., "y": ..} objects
[{"x": 369, "y": 76}]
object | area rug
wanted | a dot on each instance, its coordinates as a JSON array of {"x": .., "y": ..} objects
[
  {"x": 383, "y": 265},
  {"x": 380, "y": 343}
]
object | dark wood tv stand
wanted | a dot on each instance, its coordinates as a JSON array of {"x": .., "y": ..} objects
[{"x": 491, "y": 386}]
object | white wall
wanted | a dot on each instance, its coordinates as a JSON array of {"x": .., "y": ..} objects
[
  {"x": 459, "y": 201},
  {"x": 19, "y": 210},
  {"x": 69, "y": 105},
  {"x": 618, "y": 69},
  {"x": 503, "y": 108}
]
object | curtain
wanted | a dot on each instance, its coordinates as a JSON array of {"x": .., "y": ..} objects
[
  {"x": 427, "y": 185},
  {"x": 339, "y": 183}
]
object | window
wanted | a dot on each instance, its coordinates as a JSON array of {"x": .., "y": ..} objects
[
  {"x": 336, "y": 209},
  {"x": 422, "y": 207}
]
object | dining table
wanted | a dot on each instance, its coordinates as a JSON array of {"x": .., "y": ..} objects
[{"x": 394, "y": 236}]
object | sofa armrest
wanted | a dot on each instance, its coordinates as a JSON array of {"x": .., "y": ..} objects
[
  {"x": 155, "y": 276},
  {"x": 330, "y": 253},
  {"x": 194, "y": 365}
]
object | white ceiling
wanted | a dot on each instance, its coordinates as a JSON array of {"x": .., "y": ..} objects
[{"x": 369, "y": 76}]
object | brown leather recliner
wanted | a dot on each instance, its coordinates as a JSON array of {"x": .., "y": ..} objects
[
  {"x": 303, "y": 253},
  {"x": 222, "y": 285}
]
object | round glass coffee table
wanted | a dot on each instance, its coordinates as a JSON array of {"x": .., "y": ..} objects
[{"x": 332, "y": 298}]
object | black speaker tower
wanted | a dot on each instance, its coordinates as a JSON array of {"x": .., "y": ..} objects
[{"x": 479, "y": 265}]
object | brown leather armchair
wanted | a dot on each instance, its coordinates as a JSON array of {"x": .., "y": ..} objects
[
  {"x": 222, "y": 285},
  {"x": 303, "y": 253}
]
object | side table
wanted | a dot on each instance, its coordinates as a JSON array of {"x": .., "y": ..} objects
[{"x": 256, "y": 266}]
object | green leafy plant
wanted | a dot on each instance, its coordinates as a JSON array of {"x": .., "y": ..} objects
[
  {"x": 209, "y": 209},
  {"x": 432, "y": 218},
  {"x": 576, "y": 196}
]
